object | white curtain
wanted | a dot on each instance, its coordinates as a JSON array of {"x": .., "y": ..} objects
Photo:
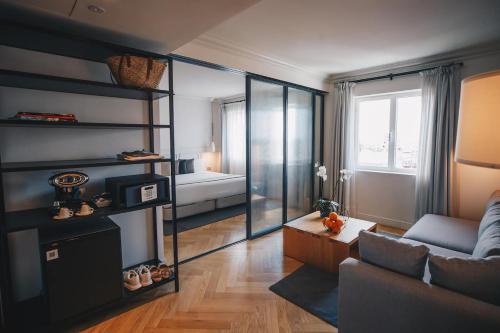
[
  {"x": 435, "y": 167},
  {"x": 343, "y": 143},
  {"x": 233, "y": 138}
]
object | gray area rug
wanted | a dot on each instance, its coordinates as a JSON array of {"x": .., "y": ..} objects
[{"x": 313, "y": 290}]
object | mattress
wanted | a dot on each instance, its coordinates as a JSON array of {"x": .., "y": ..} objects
[
  {"x": 231, "y": 201},
  {"x": 207, "y": 185},
  {"x": 189, "y": 210}
]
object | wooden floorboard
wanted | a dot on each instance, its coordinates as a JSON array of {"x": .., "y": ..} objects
[{"x": 226, "y": 291}]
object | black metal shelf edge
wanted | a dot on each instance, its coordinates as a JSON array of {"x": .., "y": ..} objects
[
  {"x": 70, "y": 164},
  {"x": 25, "y": 80},
  {"x": 56, "y": 124},
  {"x": 156, "y": 262},
  {"x": 128, "y": 293},
  {"x": 39, "y": 217}
]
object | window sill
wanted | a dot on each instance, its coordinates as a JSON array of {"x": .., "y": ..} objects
[{"x": 390, "y": 172}]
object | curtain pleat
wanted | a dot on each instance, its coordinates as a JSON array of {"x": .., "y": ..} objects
[
  {"x": 436, "y": 166},
  {"x": 342, "y": 138},
  {"x": 233, "y": 138}
]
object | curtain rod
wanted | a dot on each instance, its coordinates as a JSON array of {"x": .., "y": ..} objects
[
  {"x": 243, "y": 100},
  {"x": 391, "y": 76}
]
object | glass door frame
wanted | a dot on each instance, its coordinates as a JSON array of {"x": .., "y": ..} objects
[{"x": 248, "y": 96}]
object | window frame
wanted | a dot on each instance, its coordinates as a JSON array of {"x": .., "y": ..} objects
[{"x": 391, "y": 162}]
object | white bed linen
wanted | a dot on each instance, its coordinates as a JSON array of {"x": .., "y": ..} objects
[{"x": 207, "y": 185}]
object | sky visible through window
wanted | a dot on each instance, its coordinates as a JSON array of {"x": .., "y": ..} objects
[{"x": 388, "y": 131}]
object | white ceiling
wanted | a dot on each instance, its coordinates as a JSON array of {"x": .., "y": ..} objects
[
  {"x": 318, "y": 36},
  {"x": 157, "y": 25},
  {"x": 337, "y": 36}
]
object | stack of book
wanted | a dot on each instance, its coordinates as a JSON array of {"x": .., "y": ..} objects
[
  {"x": 138, "y": 155},
  {"x": 38, "y": 116}
]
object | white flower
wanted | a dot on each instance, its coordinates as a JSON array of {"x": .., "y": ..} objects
[
  {"x": 345, "y": 174},
  {"x": 322, "y": 173},
  {"x": 316, "y": 164}
]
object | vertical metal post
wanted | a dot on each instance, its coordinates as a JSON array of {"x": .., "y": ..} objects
[
  {"x": 248, "y": 109},
  {"x": 313, "y": 155},
  {"x": 285, "y": 155},
  {"x": 6, "y": 299},
  {"x": 152, "y": 166},
  {"x": 172, "y": 169},
  {"x": 322, "y": 130}
]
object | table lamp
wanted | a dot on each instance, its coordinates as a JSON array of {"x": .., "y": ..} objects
[{"x": 478, "y": 138}]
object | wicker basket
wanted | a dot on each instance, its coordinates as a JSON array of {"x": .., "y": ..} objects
[{"x": 137, "y": 72}]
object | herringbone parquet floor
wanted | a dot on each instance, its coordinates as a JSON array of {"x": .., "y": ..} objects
[
  {"x": 226, "y": 291},
  {"x": 208, "y": 237}
]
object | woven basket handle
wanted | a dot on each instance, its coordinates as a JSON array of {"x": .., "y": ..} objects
[
  {"x": 123, "y": 57},
  {"x": 148, "y": 71}
]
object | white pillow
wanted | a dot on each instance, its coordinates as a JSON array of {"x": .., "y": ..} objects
[{"x": 199, "y": 165}]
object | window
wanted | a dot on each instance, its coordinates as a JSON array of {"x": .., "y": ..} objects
[{"x": 387, "y": 131}]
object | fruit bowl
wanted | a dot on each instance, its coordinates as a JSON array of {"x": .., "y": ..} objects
[{"x": 333, "y": 223}]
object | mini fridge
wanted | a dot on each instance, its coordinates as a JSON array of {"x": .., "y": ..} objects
[{"x": 82, "y": 267}]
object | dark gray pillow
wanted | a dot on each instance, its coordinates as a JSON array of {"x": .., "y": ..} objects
[
  {"x": 186, "y": 166},
  {"x": 475, "y": 277},
  {"x": 392, "y": 254},
  {"x": 489, "y": 243},
  {"x": 490, "y": 217}
]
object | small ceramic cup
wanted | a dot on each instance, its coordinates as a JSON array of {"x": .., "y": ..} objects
[
  {"x": 64, "y": 213},
  {"x": 85, "y": 210}
]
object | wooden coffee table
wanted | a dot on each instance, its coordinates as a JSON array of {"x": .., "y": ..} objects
[{"x": 306, "y": 240}]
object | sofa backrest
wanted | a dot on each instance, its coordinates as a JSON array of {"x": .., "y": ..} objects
[{"x": 488, "y": 243}]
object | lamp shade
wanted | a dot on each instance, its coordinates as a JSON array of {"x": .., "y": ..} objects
[{"x": 478, "y": 139}]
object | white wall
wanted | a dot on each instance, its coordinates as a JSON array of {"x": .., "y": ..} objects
[
  {"x": 193, "y": 123},
  {"x": 390, "y": 198},
  {"x": 31, "y": 190}
]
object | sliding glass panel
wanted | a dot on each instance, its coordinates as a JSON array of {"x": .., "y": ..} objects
[
  {"x": 317, "y": 142},
  {"x": 299, "y": 153},
  {"x": 266, "y": 140}
]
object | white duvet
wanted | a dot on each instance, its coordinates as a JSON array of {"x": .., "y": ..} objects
[{"x": 207, "y": 185}]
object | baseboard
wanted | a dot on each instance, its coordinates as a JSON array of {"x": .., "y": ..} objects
[{"x": 405, "y": 225}]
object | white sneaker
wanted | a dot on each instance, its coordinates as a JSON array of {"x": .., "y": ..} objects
[
  {"x": 131, "y": 280},
  {"x": 144, "y": 275}
]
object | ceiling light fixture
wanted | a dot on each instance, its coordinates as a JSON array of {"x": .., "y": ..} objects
[{"x": 96, "y": 9}]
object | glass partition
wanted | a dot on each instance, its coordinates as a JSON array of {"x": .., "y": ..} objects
[
  {"x": 266, "y": 141},
  {"x": 300, "y": 144}
]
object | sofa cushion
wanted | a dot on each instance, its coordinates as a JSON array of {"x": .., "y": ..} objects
[
  {"x": 436, "y": 250},
  {"x": 491, "y": 215},
  {"x": 475, "y": 277},
  {"x": 489, "y": 242},
  {"x": 392, "y": 254},
  {"x": 444, "y": 231}
]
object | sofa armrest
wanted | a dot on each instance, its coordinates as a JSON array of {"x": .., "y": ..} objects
[{"x": 373, "y": 299}]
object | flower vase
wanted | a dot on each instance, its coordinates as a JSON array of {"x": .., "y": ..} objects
[{"x": 325, "y": 207}]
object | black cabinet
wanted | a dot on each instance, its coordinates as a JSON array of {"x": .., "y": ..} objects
[{"x": 82, "y": 267}]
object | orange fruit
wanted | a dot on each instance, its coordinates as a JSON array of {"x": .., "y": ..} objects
[{"x": 333, "y": 216}]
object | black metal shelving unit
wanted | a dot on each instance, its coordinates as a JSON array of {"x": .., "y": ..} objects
[{"x": 24, "y": 37}]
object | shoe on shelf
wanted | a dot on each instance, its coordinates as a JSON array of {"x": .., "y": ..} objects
[
  {"x": 164, "y": 271},
  {"x": 131, "y": 280},
  {"x": 155, "y": 273},
  {"x": 144, "y": 275}
]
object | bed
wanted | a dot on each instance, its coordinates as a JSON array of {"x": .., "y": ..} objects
[{"x": 205, "y": 191}]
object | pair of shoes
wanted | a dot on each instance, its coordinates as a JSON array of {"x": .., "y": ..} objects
[
  {"x": 137, "y": 278},
  {"x": 131, "y": 280},
  {"x": 160, "y": 272}
]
